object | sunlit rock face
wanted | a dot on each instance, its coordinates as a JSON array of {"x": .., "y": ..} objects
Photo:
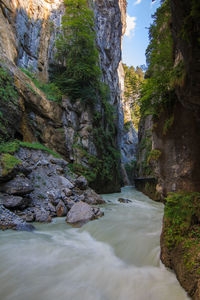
[
  {"x": 111, "y": 26},
  {"x": 30, "y": 28}
]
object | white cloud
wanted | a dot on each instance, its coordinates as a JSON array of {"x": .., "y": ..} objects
[
  {"x": 137, "y": 2},
  {"x": 130, "y": 21}
]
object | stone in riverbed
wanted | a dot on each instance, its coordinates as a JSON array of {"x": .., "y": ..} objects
[
  {"x": 42, "y": 216},
  {"x": 81, "y": 213},
  {"x": 122, "y": 200}
]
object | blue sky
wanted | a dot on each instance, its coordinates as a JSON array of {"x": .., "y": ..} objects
[{"x": 136, "y": 39}]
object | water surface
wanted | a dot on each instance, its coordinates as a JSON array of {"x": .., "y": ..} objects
[{"x": 113, "y": 258}]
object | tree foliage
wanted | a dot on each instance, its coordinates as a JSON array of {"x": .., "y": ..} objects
[
  {"x": 133, "y": 79},
  {"x": 158, "y": 88},
  {"x": 77, "y": 51}
]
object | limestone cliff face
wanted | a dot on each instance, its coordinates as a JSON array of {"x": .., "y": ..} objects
[
  {"x": 128, "y": 145},
  {"x": 28, "y": 30},
  {"x": 27, "y": 35},
  {"x": 178, "y": 167},
  {"x": 111, "y": 26},
  {"x": 175, "y": 133}
]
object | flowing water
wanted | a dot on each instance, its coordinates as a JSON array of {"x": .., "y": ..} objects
[{"x": 113, "y": 258}]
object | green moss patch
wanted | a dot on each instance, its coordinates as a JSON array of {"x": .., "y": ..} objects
[
  {"x": 51, "y": 91},
  {"x": 8, "y": 163},
  {"x": 154, "y": 155},
  {"x": 12, "y": 147},
  {"x": 7, "y": 89}
]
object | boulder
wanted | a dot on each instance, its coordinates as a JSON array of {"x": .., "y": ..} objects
[
  {"x": 67, "y": 192},
  {"x": 61, "y": 209},
  {"x": 93, "y": 198},
  {"x": 52, "y": 209},
  {"x": 69, "y": 203},
  {"x": 42, "y": 216},
  {"x": 122, "y": 200},
  {"x": 20, "y": 186},
  {"x": 64, "y": 182},
  {"x": 9, "y": 220},
  {"x": 15, "y": 201},
  {"x": 8, "y": 175},
  {"x": 54, "y": 196},
  {"x": 81, "y": 213},
  {"x": 81, "y": 183},
  {"x": 78, "y": 198}
]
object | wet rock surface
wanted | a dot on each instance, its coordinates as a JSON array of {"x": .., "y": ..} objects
[
  {"x": 122, "y": 200},
  {"x": 81, "y": 213},
  {"x": 49, "y": 189}
]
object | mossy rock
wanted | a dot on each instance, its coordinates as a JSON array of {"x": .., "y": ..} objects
[{"x": 8, "y": 164}]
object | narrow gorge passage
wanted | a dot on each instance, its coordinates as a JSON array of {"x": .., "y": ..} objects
[{"x": 114, "y": 258}]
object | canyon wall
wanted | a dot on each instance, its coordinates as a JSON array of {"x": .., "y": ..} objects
[
  {"x": 28, "y": 30},
  {"x": 174, "y": 133},
  {"x": 169, "y": 144}
]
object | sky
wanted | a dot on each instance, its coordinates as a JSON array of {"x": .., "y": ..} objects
[{"x": 136, "y": 39}]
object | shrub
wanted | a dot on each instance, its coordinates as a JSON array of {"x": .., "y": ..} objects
[
  {"x": 50, "y": 89},
  {"x": 7, "y": 89}
]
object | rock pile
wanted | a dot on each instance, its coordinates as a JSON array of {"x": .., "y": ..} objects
[{"x": 42, "y": 187}]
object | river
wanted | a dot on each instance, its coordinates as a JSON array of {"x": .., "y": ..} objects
[{"x": 113, "y": 258}]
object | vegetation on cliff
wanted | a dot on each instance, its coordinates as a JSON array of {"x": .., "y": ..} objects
[
  {"x": 180, "y": 240},
  {"x": 13, "y": 146},
  {"x": 158, "y": 90},
  {"x": 132, "y": 81},
  {"x": 8, "y": 102},
  {"x": 79, "y": 75},
  {"x": 51, "y": 90}
]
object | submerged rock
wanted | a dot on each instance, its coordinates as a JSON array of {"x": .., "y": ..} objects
[
  {"x": 122, "y": 200},
  {"x": 81, "y": 213}
]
